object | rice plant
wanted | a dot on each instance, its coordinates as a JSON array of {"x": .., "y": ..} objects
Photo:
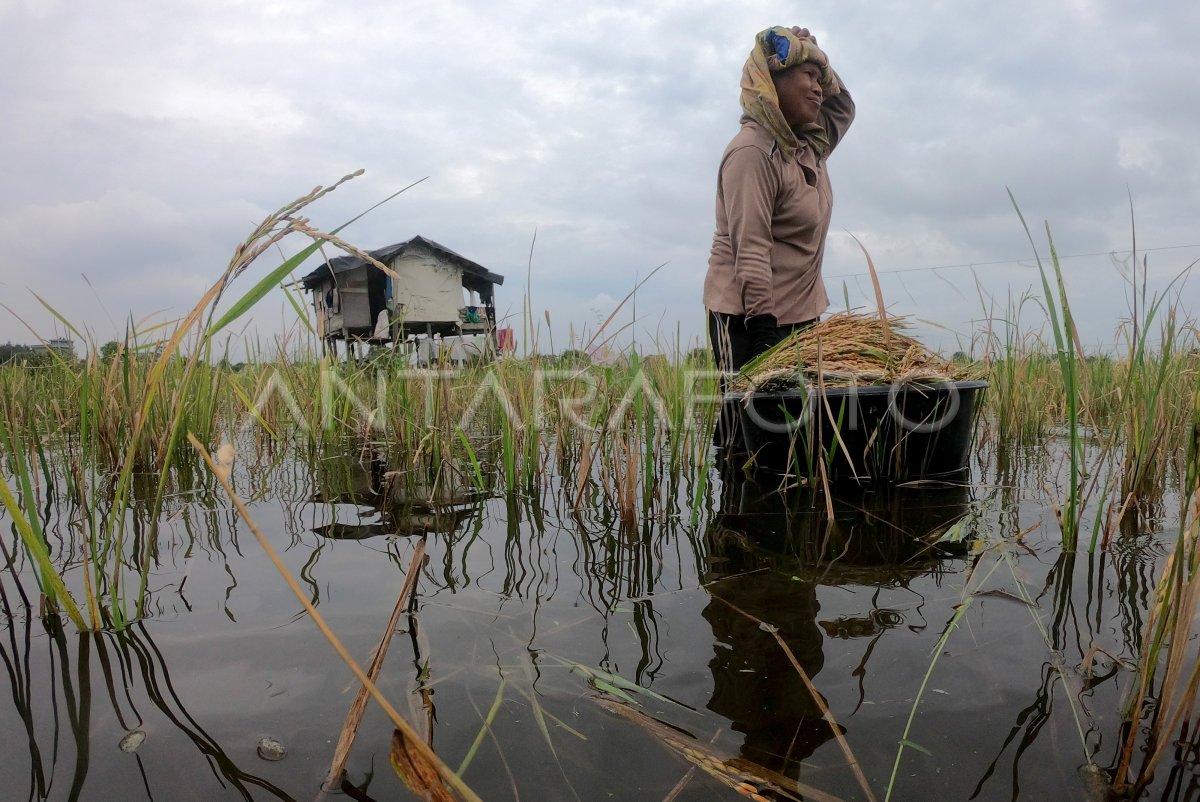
[{"x": 1165, "y": 693}]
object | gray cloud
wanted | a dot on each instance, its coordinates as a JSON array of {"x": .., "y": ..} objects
[{"x": 147, "y": 140}]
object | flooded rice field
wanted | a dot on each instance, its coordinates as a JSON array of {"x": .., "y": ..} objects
[
  {"x": 927, "y": 642},
  {"x": 532, "y": 578}
]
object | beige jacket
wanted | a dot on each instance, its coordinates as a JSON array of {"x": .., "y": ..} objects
[{"x": 772, "y": 217}]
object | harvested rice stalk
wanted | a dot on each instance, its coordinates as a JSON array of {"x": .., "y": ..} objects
[
  {"x": 747, "y": 778},
  {"x": 416, "y": 771},
  {"x": 843, "y": 349}
]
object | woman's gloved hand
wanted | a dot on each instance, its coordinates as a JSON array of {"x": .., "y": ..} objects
[{"x": 763, "y": 331}]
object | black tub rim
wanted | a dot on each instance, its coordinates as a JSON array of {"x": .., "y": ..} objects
[{"x": 861, "y": 389}]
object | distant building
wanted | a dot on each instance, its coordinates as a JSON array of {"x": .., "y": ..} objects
[
  {"x": 435, "y": 292},
  {"x": 63, "y": 346}
]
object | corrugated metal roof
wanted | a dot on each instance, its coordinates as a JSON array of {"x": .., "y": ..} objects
[{"x": 387, "y": 253}]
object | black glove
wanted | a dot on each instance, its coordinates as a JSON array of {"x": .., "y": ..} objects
[{"x": 764, "y": 333}]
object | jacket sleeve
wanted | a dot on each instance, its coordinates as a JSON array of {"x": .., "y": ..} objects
[
  {"x": 749, "y": 184},
  {"x": 837, "y": 113}
]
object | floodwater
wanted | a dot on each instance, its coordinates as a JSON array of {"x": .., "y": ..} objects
[{"x": 673, "y": 657}]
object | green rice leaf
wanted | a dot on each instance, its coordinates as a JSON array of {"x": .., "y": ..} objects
[
  {"x": 272, "y": 279},
  {"x": 609, "y": 688},
  {"x": 37, "y": 550},
  {"x": 264, "y": 286},
  {"x": 955, "y": 534},
  {"x": 916, "y": 746},
  {"x": 301, "y": 312},
  {"x": 483, "y": 731}
]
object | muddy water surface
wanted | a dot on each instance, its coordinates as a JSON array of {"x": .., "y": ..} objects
[{"x": 675, "y": 657}]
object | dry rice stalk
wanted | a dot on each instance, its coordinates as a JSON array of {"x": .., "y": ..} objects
[
  {"x": 426, "y": 759},
  {"x": 848, "y": 348},
  {"x": 416, "y": 770},
  {"x": 354, "y": 718},
  {"x": 746, "y": 777},
  {"x": 883, "y": 316}
]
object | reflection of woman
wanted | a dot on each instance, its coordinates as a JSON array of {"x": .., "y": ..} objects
[
  {"x": 773, "y": 198},
  {"x": 755, "y": 685}
]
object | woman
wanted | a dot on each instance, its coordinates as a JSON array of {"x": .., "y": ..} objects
[{"x": 774, "y": 200}]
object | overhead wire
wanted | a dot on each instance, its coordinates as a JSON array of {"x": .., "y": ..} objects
[{"x": 1024, "y": 262}]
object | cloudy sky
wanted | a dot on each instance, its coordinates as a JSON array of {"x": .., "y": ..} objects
[{"x": 142, "y": 141}]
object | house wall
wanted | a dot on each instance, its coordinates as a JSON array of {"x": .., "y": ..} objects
[
  {"x": 326, "y": 307},
  {"x": 356, "y": 306},
  {"x": 428, "y": 290},
  {"x": 350, "y": 309}
]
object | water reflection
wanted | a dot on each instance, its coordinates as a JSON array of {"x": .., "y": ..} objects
[
  {"x": 527, "y": 590},
  {"x": 402, "y": 503},
  {"x": 767, "y": 553},
  {"x": 132, "y": 693}
]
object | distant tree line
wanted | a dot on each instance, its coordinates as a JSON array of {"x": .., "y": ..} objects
[{"x": 30, "y": 354}]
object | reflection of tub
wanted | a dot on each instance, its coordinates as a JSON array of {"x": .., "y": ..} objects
[
  {"x": 878, "y": 533},
  {"x": 399, "y": 522},
  {"x": 768, "y": 552},
  {"x": 893, "y": 432},
  {"x": 405, "y": 502}
]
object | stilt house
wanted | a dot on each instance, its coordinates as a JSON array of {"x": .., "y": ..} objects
[{"x": 435, "y": 292}]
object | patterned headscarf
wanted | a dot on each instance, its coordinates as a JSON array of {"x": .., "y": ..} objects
[{"x": 776, "y": 49}]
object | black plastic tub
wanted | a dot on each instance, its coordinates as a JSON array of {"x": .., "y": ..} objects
[{"x": 897, "y": 432}]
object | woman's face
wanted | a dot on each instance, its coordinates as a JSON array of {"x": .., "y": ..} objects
[{"x": 800, "y": 95}]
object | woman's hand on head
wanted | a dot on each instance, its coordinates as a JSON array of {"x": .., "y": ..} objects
[{"x": 803, "y": 34}]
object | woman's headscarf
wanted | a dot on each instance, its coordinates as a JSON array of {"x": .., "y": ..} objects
[{"x": 776, "y": 49}]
